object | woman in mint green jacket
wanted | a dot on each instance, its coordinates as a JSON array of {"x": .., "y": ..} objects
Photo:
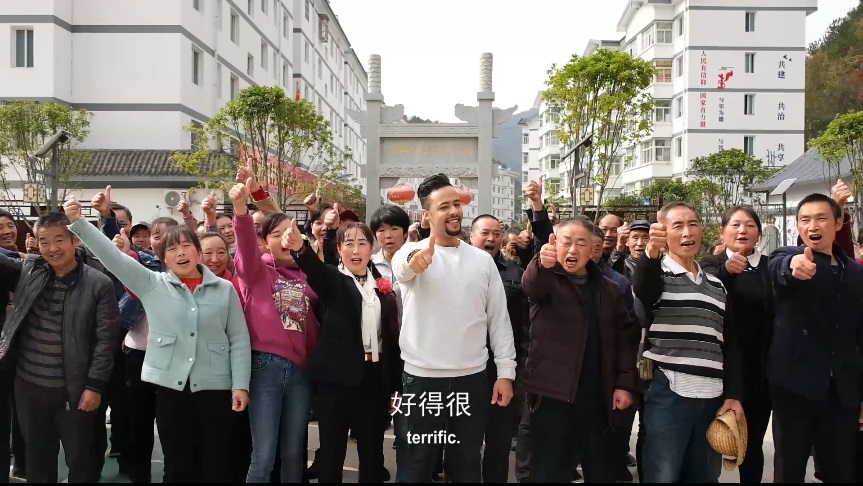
[{"x": 198, "y": 353}]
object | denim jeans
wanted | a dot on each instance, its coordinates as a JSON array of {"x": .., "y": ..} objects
[
  {"x": 676, "y": 448},
  {"x": 400, "y": 430},
  {"x": 279, "y": 393}
]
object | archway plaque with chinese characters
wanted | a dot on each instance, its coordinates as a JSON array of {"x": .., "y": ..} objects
[{"x": 396, "y": 149}]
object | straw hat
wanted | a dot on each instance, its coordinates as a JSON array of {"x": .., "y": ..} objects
[{"x": 729, "y": 437}]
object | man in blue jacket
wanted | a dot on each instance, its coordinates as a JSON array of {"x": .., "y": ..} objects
[{"x": 815, "y": 366}]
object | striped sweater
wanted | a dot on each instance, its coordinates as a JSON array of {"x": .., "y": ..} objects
[
  {"x": 40, "y": 357},
  {"x": 690, "y": 332}
]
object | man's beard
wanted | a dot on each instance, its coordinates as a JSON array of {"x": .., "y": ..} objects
[{"x": 452, "y": 233}]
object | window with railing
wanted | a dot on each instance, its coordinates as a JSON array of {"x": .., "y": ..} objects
[
  {"x": 662, "y": 111},
  {"x": 656, "y": 150},
  {"x": 664, "y": 32}
]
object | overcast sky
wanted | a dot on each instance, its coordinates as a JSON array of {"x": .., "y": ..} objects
[{"x": 430, "y": 49}]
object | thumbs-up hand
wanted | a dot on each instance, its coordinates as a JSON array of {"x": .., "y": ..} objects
[
  {"x": 737, "y": 263},
  {"x": 331, "y": 220},
  {"x": 658, "y": 242},
  {"x": 32, "y": 245},
  {"x": 523, "y": 240},
  {"x": 72, "y": 208},
  {"x": 209, "y": 206},
  {"x": 102, "y": 202},
  {"x": 548, "y": 252},
  {"x": 840, "y": 192},
  {"x": 622, "y": 237},
  {"x": 420, "y": 260},
  {"x": 121, "y": 241},
  {"x": 239, "y": 194},
  {"x": 292, "y": 238},
  {"x": 311, "y": 201},
  {"x": 803, "y": 266}
]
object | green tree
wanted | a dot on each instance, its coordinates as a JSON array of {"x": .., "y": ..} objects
[
  {"x": 723, "y": 178},
  {"x": 552, "y": 193},
  {"x": 834, "y": 79},
  {"x": 24, "y": 127},
  {"x": 278, "y": 134},
  {"x": 624, "y": 201},
  {"x": 602, "y": 95},
  {"x": 842, "y": 139},
  {"x": 664, "y": 191}
]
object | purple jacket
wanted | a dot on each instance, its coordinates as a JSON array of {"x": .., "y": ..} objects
[{"x": 280, "y": 308}]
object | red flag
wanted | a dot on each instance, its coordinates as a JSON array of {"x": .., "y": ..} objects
[{"x": 297, "y": 96}]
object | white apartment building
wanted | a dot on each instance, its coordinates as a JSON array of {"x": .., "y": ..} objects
[
  {"x": 146, "y": 69},
  {"x": 541, "y": 150},
  {"x": 503, "y": 197},
  {"x": 731, "y": 74},
  {"x": 529, "y": 151}
]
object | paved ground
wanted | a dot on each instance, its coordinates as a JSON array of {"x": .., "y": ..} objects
[{"x": 110, "y": 474}]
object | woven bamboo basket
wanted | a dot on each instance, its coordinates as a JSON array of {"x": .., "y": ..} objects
[{"x": 729, "y": 437}]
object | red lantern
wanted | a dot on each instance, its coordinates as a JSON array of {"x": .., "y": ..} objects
[
  {"x": 465, "y": 195},
  {"x": 401, "y": 193}
]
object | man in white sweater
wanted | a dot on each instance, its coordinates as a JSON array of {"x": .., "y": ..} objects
[{"x": 453, "y": 303}]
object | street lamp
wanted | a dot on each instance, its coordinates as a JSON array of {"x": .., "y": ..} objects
[{"x": 51, "y": 146}]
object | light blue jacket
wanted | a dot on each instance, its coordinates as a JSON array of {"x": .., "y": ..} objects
[{"x": 199, "y": 338}]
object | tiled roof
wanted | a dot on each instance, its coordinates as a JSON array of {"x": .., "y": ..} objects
[
  {"x": 158, "y": 164},
  {"x": 810, "y": 168},
  {"x": 146, "y": 164}
]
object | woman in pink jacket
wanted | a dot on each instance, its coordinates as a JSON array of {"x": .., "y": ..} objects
[{"x": 280, "y": 311}]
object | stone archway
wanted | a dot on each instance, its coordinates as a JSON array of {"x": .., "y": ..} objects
[{"x": 402, "y": 150}]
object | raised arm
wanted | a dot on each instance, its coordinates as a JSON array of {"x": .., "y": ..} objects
[
  {"x": 239, "y": 342},
  {"x": 319, "y": 275},
  {"x": 247, "y": 261},
  {"x": 134, "y": 276},
  {"x": 538, "y": 278},
  {"x": 412, "y": 259}
]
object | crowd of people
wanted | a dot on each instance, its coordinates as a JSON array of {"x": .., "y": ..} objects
[{"x": 233, "y": 333}]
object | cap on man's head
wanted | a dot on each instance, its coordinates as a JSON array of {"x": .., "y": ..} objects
[
  {"x": 349, "y": 215},
  {"x": 139, "y": 226},
  {"x": 640, "y": 225}
]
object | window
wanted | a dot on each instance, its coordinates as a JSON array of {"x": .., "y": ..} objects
[
  {"x": 219, "y": 80},
  {"x": 286, "y": 26},
  {"x": 24, "y": 48},
  {"x": 648, "y": 39},
  {"x": 554, "y": 161},
  {"x": 196, "y": 4},
  {"x": 750, "y": 21},
  {"x": 235, "y": 87},
  {"x": 749, "y": 145},
  {"x": 679, "y": 106},
  {"x": 679, "y": 63},
  {"x": 750, "y": 62},
  {"x": 250, "y": 65},
  {"x": 680, "y": 26},
  {"x": 749, "y": 104},
  {"x": 235, "y": 27},
  {"x": 275, "y": 62},
  {"x": 663, "y": 70},
  {"x": 264, "y": 56},
  {"x": 656, "y": 150},
  {"x": 308, "y": 6},
  {"x": 678, "y": 147},
  {"x": 250, "y": 8},
  {"x": 663, "y": 32},
  {"x": 662, "y": 111},
  {"x": 525, "y": 139},
  {"x": 332, "y": 82},
  {"x": 264, "y": 6},
  {"x": 525, "y": 160},
  {"x": 306, "y": 52},
  {"x": 196, "y": 66},
  {"x": 614, "y": 169},
  {"x": 320, "y": 68}
]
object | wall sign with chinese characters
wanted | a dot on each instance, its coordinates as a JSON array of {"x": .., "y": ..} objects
[
  {"x": 721, "y": 146},
  {"x": 703, "y": 105},
  {"x": 775, "y": 157},
  {"x": 780, "y": 111},
  {"x": 703, "y": 68},
  {"x": 780, "y": 71},
  {"x": 722, "y": 110}
]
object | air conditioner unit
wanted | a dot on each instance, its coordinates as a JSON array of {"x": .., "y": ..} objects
[{"x": 172, "y": 198}]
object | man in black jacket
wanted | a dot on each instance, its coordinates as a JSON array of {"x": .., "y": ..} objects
[
  {"x": 815, "y": 365},
  {"x": 59, "y": 339},
  {"x": 486, "y": 234}
]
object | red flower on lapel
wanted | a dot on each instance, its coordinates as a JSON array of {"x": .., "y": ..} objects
[{"x": 384, "y": 285}]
